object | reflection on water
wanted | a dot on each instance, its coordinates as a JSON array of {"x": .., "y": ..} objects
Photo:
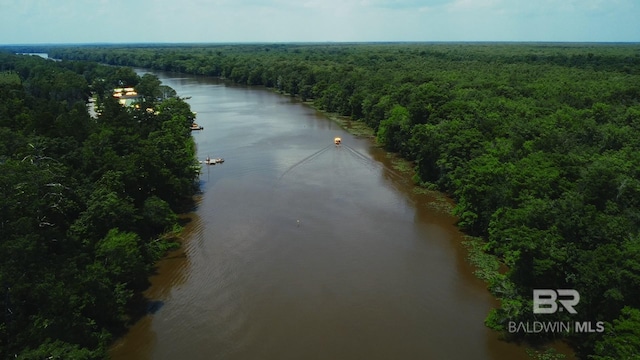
[{"x": 302, "y": 249}]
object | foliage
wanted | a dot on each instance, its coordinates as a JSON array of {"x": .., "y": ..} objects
[
  {"x": 548, "y": 354},
  {"x": 537, "y": 144},
  {"x": 84, "y": 202},
  {"x": 623, "y": 340}
]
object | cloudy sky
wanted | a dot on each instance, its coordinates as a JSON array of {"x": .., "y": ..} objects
[{"x": 91, "y": 21}]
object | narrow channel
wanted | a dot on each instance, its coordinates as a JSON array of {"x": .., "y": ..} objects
[{"x": 300, "y": 249}]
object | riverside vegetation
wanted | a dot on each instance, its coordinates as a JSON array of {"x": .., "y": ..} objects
[
  {"x": 88, "y": 204},
  {"x": 536, "y": 143}
]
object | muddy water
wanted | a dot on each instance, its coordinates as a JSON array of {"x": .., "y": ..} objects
[{"x": 299, "y": 249}]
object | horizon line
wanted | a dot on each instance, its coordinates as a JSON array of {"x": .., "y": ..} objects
[{"x": 107, "y": 43}]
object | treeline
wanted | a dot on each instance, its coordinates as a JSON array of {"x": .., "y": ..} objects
[
  {"x": 87, "y": 204},
  {"x": 537, "y": 143}
]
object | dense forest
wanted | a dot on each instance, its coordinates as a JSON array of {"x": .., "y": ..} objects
[
  {"x": 89, "y": 203},
  {"x": 538, "y": 144}
]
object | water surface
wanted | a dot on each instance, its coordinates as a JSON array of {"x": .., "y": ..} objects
[{"x": 299, "y": 249}]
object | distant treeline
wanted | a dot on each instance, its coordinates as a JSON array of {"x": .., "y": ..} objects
[
  {"x": 87, "y": 205},
  {"x": 539, "y": 145}
]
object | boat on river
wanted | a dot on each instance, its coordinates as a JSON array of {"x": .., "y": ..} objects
[
  {"x": 337, "y": 141},
  {"x": 195, "y": 126},
  {"x": 209, "y": 161}
]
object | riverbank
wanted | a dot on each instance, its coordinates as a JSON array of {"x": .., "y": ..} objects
[
  {"x": 365, "y": 258},
  {"x": 487, "y": 267},
  {"x": 89, "y": 205},
  {"x": 463, "y": 135},
  {"x": 440, "y": 203}
]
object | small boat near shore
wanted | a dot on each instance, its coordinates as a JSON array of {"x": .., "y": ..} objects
[
  {"x": 195, "y": 126},
  {"x": 209, "y": 161},
  {"x": 337, "y": 141}
]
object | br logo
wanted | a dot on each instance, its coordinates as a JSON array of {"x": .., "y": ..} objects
[{"x": 545, "y": 301}]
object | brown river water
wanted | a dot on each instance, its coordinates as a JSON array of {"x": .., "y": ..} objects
[{"x": 299, "y": 249}]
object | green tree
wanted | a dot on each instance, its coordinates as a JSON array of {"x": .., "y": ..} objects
[
  {"x": 149, "y": 89},
  {"x": 393, "y": 130},
  {"x": 622, "y": 338},
  {"x": 119, "y": 252}
]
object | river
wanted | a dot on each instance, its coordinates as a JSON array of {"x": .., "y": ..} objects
[{"x": 299, "y": 249}]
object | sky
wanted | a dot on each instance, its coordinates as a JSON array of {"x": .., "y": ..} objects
[{"x": 231, "y": 21}]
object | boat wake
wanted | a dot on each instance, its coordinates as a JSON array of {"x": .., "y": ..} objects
[
  {"x": 360, "y": 155},
  {"x": 373, "y": 163},
  {"x": 364, "y": 159},
  {"x": 308, "y": 158}
]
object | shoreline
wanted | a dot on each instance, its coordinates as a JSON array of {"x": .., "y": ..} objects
[
  {"x": 474, "y": 254},
  {"x": 487, "y": 267}
]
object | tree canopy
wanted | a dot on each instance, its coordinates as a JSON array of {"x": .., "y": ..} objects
[
  {"x": 85, "y": 202},
  {"x": 536, "y": 143}
]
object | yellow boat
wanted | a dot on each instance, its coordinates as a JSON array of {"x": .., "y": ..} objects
[{"x": 337, "y": 141}]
